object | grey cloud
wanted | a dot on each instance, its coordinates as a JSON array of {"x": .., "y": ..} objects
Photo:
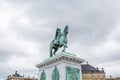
[
  {"x": 90, "y": 24},
  {"x": 5, "y": 55},
  {"x": 94, "y": 30},
  {"x": 112, "y": 56},
  {"x": 94, "y": 24}
]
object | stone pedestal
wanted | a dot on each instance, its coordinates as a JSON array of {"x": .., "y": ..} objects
[{"x": 63, "y": 66}]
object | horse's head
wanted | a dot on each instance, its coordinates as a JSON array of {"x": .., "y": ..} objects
[
  {"x": 66, "y": 29},
  {"x": 58, "y": 29}
]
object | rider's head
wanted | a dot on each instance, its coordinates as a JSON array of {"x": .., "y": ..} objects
[{"x": 58, "y": 29}]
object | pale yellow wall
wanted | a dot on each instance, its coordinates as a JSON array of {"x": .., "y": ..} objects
[
  {"x": 19, "y": 78},
  {"x": 94, "y": 76}
]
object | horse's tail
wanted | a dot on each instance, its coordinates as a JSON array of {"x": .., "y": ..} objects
[{"x": 51, "y": 44}]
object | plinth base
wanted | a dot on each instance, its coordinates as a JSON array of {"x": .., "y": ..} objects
[{"x": 63, "y": 66}]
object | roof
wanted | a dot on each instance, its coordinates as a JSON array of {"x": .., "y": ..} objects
[{"x": 89, "y": 68}]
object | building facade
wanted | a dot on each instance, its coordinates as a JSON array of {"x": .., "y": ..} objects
[
  {"x": 17, "y": 76},
  {"x": 91, "y": 73}
]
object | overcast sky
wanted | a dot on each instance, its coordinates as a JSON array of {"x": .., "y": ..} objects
[{"x": 28, "y": 26}]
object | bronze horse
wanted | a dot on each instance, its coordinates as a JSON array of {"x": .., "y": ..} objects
[{"x": 59, "y": 41}]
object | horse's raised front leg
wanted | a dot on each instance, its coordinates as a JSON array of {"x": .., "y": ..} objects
[
  {"x": 64, "y": 46},
  {"x": 51, "y": 53},
  {"x": 55, "y": 50}
]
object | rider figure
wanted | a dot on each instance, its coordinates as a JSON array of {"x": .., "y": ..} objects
[{"x": 57, "y": 36}]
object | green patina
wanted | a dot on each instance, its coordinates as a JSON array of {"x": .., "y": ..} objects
[
  {"x": 70, "y": 54},
  {"x": 59, "y": 41},
  {"x": 72, "y": 73},
  {"x": 43, "y": 76},
  {"x": 55, "y": 74}
]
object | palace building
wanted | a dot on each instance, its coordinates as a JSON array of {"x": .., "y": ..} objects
[
  {"x": 17, "y": 76},
  {"x": 91, "y": 73}
]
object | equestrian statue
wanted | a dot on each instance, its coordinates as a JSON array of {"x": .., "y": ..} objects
[{"x": 59, "y": 41}]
